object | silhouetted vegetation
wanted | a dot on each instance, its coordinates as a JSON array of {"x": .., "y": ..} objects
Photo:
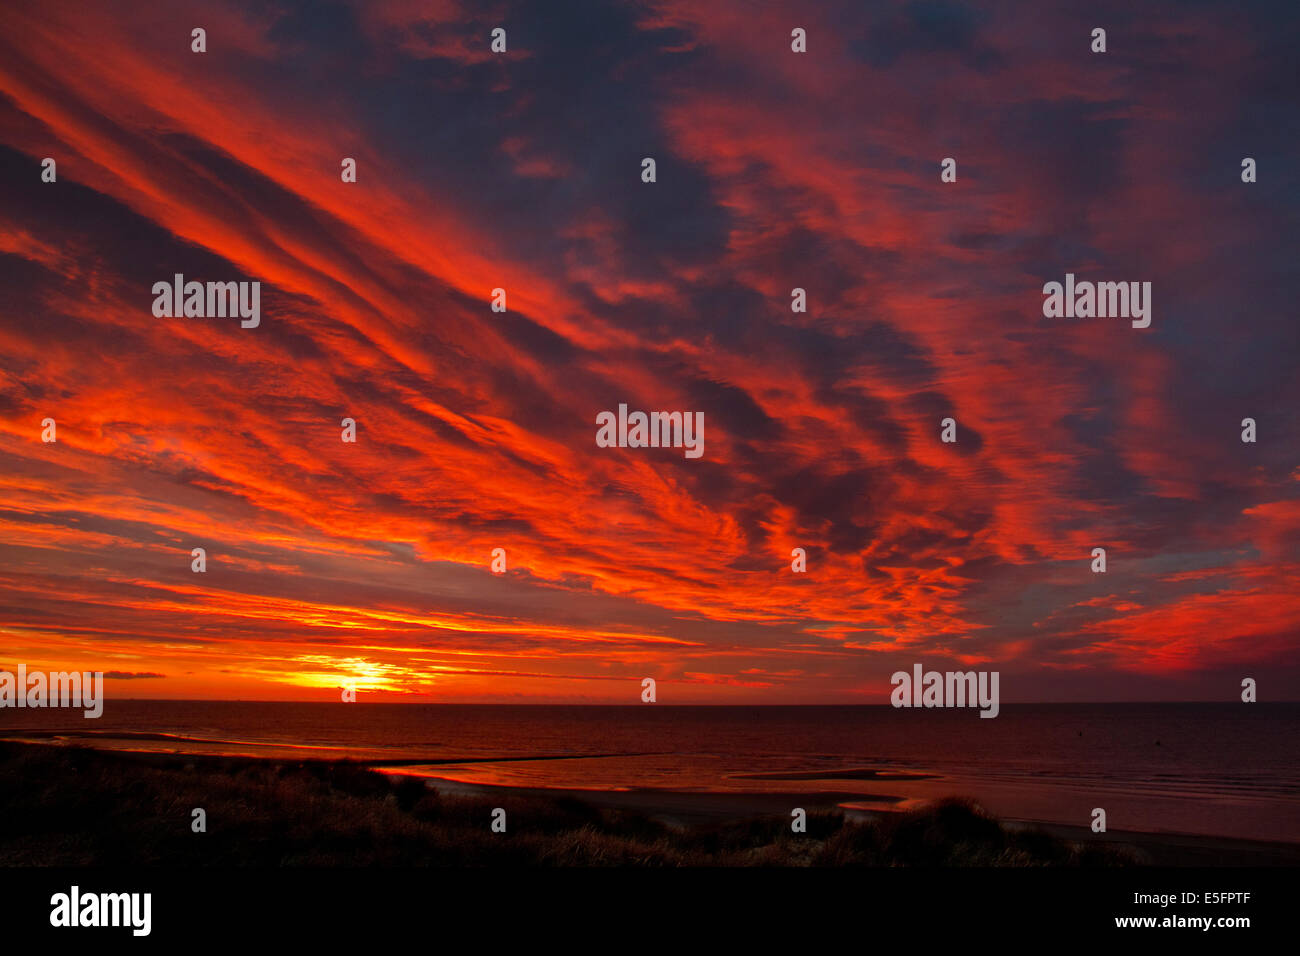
[{"x": 72, "y": 806}]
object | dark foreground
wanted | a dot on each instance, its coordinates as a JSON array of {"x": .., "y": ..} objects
[{"x": 68, "y": 806}]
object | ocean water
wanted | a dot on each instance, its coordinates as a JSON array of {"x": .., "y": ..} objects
[{"x": 1213, "y": 769}]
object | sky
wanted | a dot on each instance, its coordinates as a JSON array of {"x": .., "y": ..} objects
[{"x": 369, "y": 564}]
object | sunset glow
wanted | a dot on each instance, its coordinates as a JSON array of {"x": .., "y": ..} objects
[{"x": 368, "y": 565}]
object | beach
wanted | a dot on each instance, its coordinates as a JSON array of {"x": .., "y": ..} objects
[
  {"x": 74, "y": 806},
  {"x": 1212, "y": 771}
]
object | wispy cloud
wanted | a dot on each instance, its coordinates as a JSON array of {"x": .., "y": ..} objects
[{"x": 476, "y": 428}]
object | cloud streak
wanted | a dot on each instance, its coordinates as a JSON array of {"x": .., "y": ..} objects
[{"x": 368, "y": 563}]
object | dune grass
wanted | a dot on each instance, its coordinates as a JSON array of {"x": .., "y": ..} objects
[{"x": 66, "y": 806}]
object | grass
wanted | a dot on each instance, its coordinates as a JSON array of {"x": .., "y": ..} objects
[{"x": 65, "y": 806}]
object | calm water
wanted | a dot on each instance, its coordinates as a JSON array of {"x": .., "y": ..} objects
[{"x": 1220, "y": 769}]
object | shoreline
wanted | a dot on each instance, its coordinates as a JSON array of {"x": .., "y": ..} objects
[
  {"x": 646, "y": 826},
  {"x": 690, "y": 808}
]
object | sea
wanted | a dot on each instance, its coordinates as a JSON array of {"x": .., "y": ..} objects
[{"x": 1214, "y": 769}]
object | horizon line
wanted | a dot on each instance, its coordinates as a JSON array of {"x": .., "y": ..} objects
[{"x": 438, "y": 703}]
